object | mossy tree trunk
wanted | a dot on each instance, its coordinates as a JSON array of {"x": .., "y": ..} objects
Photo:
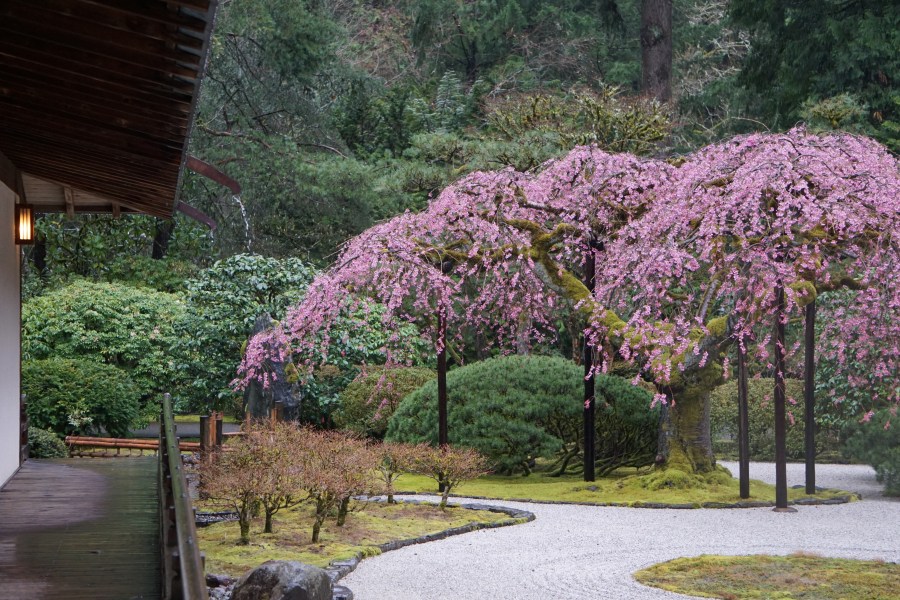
[{"x": 685, "y": 442}]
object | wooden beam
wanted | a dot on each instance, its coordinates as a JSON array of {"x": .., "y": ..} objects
[
  {"x": 116, "y": 210},
  {"x": 9, "y": 174},
  {"x": 70, "y": 202}
]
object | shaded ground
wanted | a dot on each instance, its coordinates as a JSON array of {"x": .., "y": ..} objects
[{"x": 582, "y": 552}]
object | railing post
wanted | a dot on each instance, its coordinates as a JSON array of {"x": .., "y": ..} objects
[{"x": 182, "y": 563}]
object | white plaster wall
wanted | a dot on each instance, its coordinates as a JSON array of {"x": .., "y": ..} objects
[{"x": 10, "y": 348}]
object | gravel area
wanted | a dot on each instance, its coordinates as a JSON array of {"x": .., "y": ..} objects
[{"x": 574, "y": 552}]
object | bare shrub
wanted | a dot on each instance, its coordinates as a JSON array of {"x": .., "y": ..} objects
[{"x": 449, "y": 466}]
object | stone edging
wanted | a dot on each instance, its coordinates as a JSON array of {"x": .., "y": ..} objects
[
  {"x": 338, "y": 569},
  {"x": 846, "y": 498}
]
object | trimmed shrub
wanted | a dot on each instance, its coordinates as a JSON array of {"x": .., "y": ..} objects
[
  {"x": 79, "y": 397},
  {"x": 761, "y": 404},
  {"x": 45, "y": 444},
  {"x": 877, "y": 442},
  {"x": 515, "y": 409},
  {"x": 366, "y": 405}
]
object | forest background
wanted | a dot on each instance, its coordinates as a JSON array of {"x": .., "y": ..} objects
[{"x": 336, "y": 115}]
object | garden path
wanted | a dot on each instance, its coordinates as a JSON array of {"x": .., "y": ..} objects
[{"x": 572, "y": 552}]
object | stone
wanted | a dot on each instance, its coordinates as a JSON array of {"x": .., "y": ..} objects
[
  {"x": 283, "y": 580},
  {"x": 259, "y": 401},
  {"x": 215, "y": 580}
]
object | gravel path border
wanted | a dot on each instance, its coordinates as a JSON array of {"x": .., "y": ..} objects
[{"x": 573, "y": 552}]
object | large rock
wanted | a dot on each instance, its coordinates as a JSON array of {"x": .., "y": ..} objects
[
  {"x": 259, "y": 401},
  {"x": 283, "y": 580}
]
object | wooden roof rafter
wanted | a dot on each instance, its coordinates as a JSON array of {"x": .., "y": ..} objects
[{"x": 98, "y": 96}]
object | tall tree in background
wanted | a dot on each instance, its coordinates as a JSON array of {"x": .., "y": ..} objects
[{"x": 656, "y": 48}]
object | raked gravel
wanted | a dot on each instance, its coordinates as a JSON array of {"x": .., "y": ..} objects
[{"x": 580, "y": 552}]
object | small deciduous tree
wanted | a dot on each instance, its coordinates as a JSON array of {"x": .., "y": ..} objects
[
  {"x": 235, "y": 479},
  {"x": 280, "y": 479},
  {"x": 393, "y": 460},
  {"x": 449, "y": 466}
]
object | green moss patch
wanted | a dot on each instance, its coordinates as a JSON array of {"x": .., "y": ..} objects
[
  {"x": 364, "y": 531},
  {"x": 653, "y": 488},
  {"x": 799, "y": 576}
]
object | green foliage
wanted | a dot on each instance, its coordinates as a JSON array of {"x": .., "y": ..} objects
[
  {"x": 366, "y": 405},
  {"x": 877, "y": 442},
  {"x": 515, "y": 409},
  {"x": 626, "y": 425},
  {"x": 80, "y": 397},
  {"x": 603, "y": 118},
  {"x": 119, "y": 325},
  {"x": 357, "y": 339},
  {"x": 222, "y": 305},
  {"x": 105, "y": 248},
  {"x": 724, "y": 418},
  {"x": 810, "y": 50},
  {"x": 45, "y": 444}
]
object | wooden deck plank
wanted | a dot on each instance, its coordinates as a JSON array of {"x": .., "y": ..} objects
[{"x": 80, "y": 529}]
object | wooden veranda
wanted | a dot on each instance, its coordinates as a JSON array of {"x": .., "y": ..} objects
[{"x": 81, "y": 529}]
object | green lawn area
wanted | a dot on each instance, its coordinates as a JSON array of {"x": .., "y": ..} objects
[
  {"x": 784, "y": 577},
  {"x": 376, "y": 524},
  {"x": 628, "y": 488}
]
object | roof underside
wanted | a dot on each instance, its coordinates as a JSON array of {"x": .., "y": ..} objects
[{"x": 97, "y": 99}]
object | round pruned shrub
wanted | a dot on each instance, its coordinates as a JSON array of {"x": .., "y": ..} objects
[
  {"x": 876, "y": 441},
  {"x": 515, "y": 409},
  {"x": 79, "y": 397},
  {"x": 366, "y": 405},
  {"x": 45, "y": 444},
  {"x": 761, "y": 405}
]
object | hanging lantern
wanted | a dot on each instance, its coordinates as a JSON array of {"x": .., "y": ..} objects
[{"x": 24, "y": 224}]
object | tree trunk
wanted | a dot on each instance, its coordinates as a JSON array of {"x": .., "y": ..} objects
[
  {"x": 245, "y": 531},
  {"x": 268, "y": 527},
  {"x": 321, "y": 513},
  {"x": 164, "y": 228},
  {"x": 656, "y": 49},
  {"x": 342, "y": 511},
  {"x": 685, "y": 440}
]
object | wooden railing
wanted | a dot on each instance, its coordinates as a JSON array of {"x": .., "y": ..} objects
[{"x": 182, "y": 563}]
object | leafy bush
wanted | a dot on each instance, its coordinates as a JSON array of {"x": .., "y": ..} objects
[
  {"x": 45, "y": 444},
  {"x": 515, "y": 409},
  {"x": 223, "y": 302},
  {"x": 368, "y": 402},
  {"x": 724, "y": 418},
  {"x": 79, "y": 397},
  {"x": 122, "y": 326},
  {"x": 877, "y": 442}
]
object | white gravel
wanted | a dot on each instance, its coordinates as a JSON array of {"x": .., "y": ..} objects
[{"x": 580, "y": 552}]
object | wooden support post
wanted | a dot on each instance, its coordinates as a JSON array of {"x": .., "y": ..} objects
[
  {"x": 781, "y": 501},
  {"x": 743, "y": 424},
  {"x": 809, "y": 397},
  {"x": 205, "y": 442},
  {"x": 443, "y": 430},
  {"x": 219, "y": 432},
  {"x": 70, "y": 202},
  {"x": 589, "y": 409}
]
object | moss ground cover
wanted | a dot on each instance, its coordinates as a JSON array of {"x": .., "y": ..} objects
[
  {"x": 795, "y": 577},
  {"x": 375, "y": 524},
  {"x": 628, "y": 487}
]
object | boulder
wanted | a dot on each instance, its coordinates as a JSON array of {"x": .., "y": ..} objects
[{"x": 283, "y": 580}]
